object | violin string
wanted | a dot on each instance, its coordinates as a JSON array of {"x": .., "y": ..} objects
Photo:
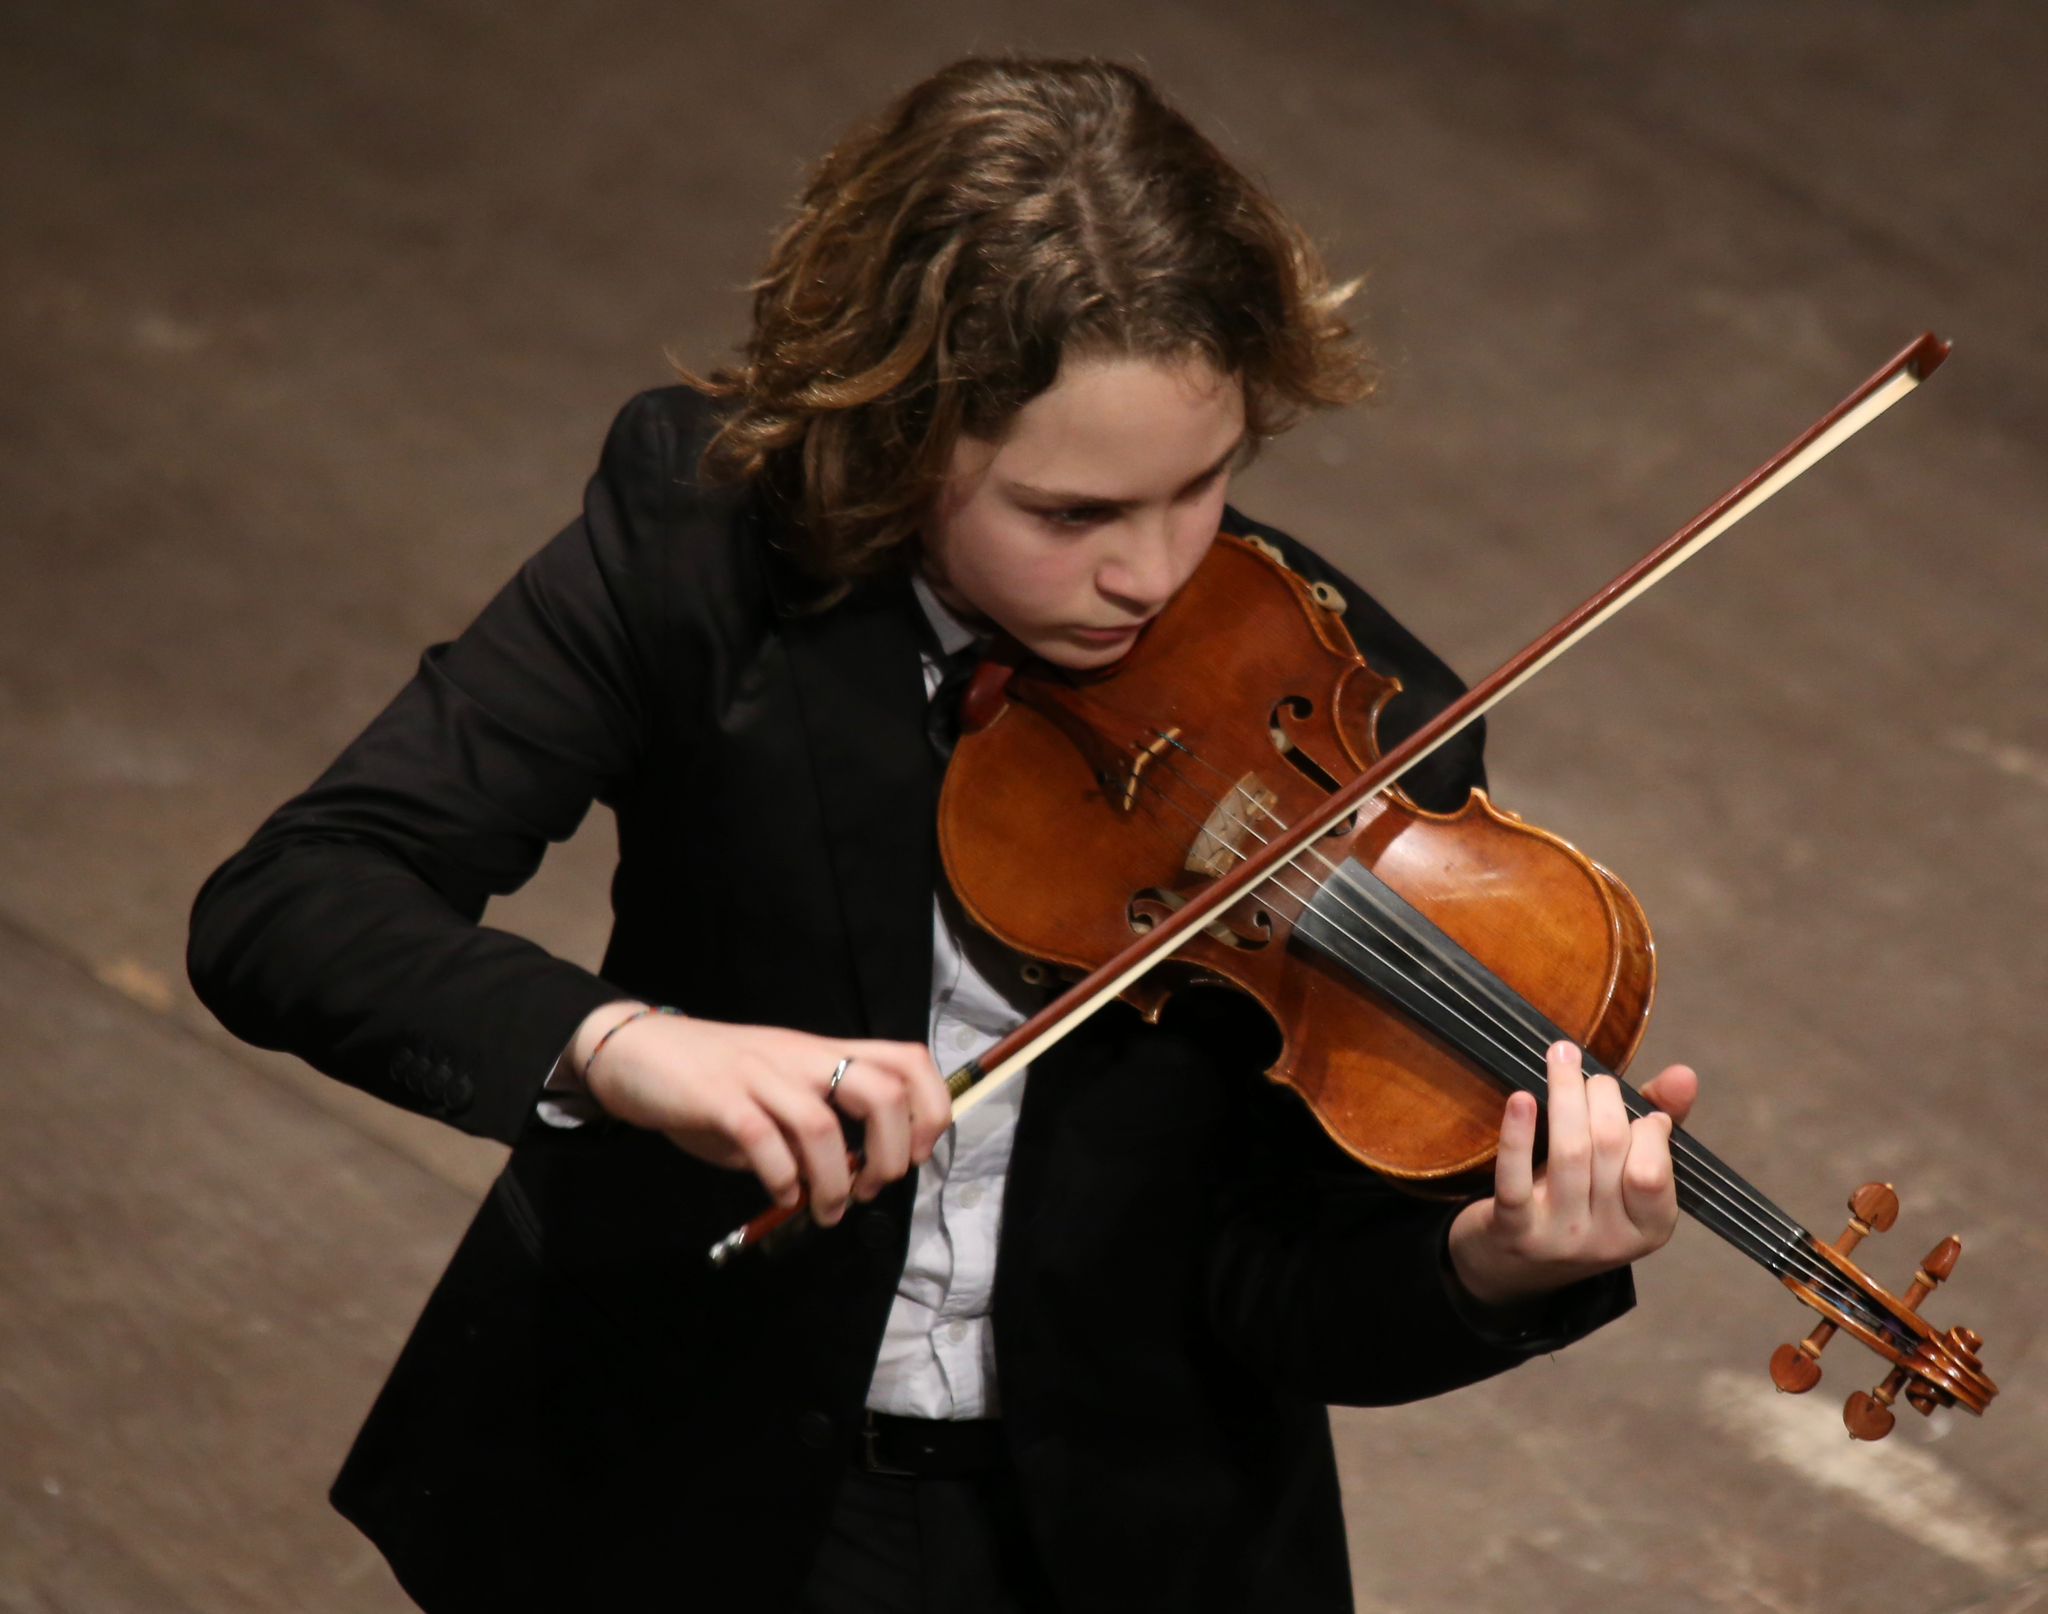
[
  {"x": 1700, "y": 1176},
  {"x": 1499, "y": 1034},
  {"x": 1724, "y": 1215},
  {"x": 1488, "y": 1031},
  {"x": 1538, "y": 1036},
  {"x": 1722, "y": 1210},
  {"x": 1719, "y": 1208}
]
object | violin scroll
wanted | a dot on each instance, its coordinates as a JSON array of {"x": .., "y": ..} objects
[{"x": 1931, "y": 1369}]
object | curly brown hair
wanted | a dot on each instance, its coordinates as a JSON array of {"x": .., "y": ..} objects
[{"x": 1000, "y": 216}]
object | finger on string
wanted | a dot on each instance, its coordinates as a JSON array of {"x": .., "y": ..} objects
[
  {"x": 811, "y": 1128},
  {"x": 1568, "y": 1166},
  {"x": 1607, "y": 1125},
  {"x": 1514, "y": 1167},
  {"x": 1649, "y": 1189}
]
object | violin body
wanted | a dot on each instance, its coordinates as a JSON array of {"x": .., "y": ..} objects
[{"x": 1080, "y": 810}]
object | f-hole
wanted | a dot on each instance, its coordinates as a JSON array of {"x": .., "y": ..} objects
[{"x": 1300, "y": 708}]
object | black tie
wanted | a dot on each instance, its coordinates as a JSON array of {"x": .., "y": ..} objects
[{"x": 942, "y": 712}]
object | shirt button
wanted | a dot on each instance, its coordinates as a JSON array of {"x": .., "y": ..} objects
[
  {"x": 964, "y": 1038},
  {"x": 970, "y": 1196},
  {"x": 956, "y": 1332}
]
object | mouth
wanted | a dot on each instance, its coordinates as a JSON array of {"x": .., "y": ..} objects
[{"x": 1108, "y": 636}]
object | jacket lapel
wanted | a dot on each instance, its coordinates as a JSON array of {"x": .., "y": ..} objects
[{"x": 860, "y": 689}]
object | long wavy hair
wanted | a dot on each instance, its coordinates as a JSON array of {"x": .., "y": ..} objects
[{"x": 999, "y": 217}]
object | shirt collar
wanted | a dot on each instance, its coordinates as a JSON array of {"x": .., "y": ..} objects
[{"x": 954, "y": 634}]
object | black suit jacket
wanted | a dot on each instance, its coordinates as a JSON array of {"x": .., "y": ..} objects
[{"x": 585, "y": 1415}]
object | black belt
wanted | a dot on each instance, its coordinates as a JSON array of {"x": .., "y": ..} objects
[{"x": 929, "y": 1448}]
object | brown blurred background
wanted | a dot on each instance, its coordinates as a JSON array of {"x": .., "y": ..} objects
[{"x": 314, "y": 317}]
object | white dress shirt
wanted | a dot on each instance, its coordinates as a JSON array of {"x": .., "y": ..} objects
[{"x": 938, "y": 1349}]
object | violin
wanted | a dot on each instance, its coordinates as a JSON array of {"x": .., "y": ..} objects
[{"x": 1216, "y": 809}]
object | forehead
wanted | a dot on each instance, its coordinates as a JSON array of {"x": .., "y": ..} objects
[{"x": 1121, "y": 428}]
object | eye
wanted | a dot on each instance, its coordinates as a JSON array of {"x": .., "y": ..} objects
[{"x": 1073, "y": 517}]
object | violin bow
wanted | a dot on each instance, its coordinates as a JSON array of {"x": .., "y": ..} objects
[{"x": 980, "y": 1077}]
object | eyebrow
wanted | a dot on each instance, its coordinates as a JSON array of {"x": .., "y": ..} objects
[{"x": 1050, "y": 497}]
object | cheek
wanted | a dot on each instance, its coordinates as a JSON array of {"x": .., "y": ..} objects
[
  {"x": 1012, "y": 571},
  {"x": 1053, "y": 585}
]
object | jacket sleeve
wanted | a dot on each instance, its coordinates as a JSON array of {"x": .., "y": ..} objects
[
  {"x": 1323, "y": 1276},
  {"x": 347, "y": 930},
  {"x": 1334, "y": 1284}
]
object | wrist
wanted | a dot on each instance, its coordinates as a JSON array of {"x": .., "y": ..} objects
[
  {"x": 598, "y": 1024},
  {"x": 1488, "y": 1278},
  {"x": 1546, "y": 1319}
]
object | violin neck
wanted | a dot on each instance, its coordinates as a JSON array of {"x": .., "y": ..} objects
[{"x": 1359, "y": 924}]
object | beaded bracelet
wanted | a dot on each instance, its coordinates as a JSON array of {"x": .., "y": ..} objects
[{"x": 652, "y": 1008}]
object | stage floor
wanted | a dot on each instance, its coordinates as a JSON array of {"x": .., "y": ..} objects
[{"x": 314, "y": 320}]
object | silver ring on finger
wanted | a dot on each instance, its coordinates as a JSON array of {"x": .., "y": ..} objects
[{"x": 838, "y": 1075}]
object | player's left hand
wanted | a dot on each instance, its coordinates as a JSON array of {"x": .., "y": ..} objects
[{"x": 1604, "y": 1196}]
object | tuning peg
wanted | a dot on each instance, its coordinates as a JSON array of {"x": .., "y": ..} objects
[
  {"x": 1873, "y": 1208},
  {"x": 1870, "y": 1417},
  {"x": 1935, "y": 1268},
  {"x": 1795, "y": 1369}
]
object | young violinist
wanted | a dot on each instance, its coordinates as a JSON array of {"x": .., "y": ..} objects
[{"x": 1075, "y": 1353}]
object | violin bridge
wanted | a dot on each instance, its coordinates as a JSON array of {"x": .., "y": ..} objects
[
  {"x": 1144, "y": 759},
  {"x": 1220, "y": 844}
]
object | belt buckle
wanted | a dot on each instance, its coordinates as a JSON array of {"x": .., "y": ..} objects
[{"x": 871, "y": 1453}]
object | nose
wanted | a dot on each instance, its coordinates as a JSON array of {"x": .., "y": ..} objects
[{"x": 1143, "y": 569}]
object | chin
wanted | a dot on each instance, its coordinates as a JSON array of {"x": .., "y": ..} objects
[{"x": 1080, "y": 657}]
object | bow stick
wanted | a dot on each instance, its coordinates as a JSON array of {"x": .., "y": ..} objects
[{"x": 981, "y": 1076}]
